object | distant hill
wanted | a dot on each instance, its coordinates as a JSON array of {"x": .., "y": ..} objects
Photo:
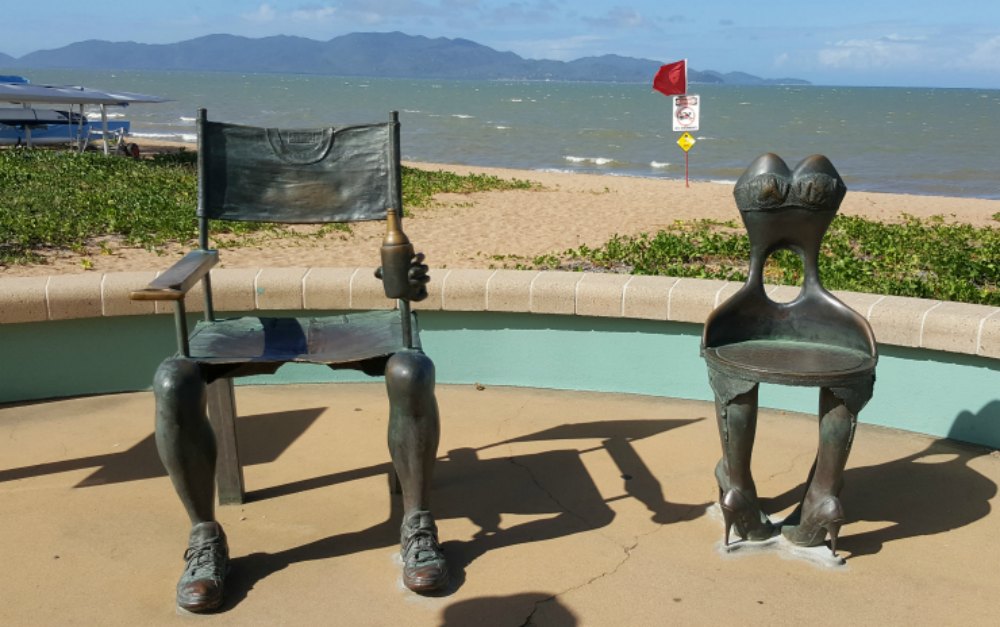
[
  {"x": 742, "y": 78},
  {"x": 394, "y": 54}
]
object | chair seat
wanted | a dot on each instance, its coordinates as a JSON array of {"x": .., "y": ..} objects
[
  {"x": 331, "y": 340},
  {"x": 791, "y": 362}
]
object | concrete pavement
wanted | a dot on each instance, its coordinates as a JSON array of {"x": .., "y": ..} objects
[{"x": 555, "y": 508}]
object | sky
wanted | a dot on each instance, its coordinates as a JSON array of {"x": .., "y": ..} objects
[{"x": 909, "y": 43}]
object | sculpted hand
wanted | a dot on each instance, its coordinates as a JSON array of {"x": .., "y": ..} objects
[{"x": 418, "y": 278}]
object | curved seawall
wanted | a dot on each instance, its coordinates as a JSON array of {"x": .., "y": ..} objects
[{"x": 938, "y": 374}]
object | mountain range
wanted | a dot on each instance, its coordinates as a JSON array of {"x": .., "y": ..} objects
[{"x": 396, "y": 55}]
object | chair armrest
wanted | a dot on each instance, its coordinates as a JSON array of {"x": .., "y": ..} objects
[{"x": 181, "y": 277}]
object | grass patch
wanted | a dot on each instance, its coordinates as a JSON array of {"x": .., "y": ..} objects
[
  {"x": 918, "y": 258},
  {"x": 59, "y": 200},
  {"x": 420, "y": 186}
]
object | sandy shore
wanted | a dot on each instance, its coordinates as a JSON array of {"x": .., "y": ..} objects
[{"x": 498, "y": 229}]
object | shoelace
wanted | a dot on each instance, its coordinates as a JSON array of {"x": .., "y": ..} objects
[
  {"x": 422, "y": 546},
  {"x": 421, "y": 543},
  {"x": 205, "y": 560}
]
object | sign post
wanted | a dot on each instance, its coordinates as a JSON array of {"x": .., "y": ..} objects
[
  {"x": 686, "y": 118},
  {"x": 671, "y": 81},
  {"x": 685, "y": 141}
]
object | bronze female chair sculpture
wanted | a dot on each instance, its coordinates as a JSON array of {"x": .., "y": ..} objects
[
  {"x": 293, "y": 176},
  {"x": 814, "y": 340}
]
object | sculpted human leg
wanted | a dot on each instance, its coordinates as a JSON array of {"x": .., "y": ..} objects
[
  {"x": 414, "y": 431},
  {"x": 737, "y": 419},
  {"x": 186, "y": 444},
  {"x": 821, "y": 511}
]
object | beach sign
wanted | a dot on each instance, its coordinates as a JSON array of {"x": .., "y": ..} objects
[
  {"x": 686, "y": 112},
  {"x": 685, "y": 141}
]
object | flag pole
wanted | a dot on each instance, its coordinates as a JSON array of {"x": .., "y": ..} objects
[
  {"x": 671, "y": 80},
  {"x": 687, "y": 181}
]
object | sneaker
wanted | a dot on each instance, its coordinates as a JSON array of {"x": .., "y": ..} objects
[
  {"x": 207, "y": 562},
  {"x": 424, "y": 566}
]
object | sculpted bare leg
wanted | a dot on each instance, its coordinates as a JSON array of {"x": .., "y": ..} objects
[
  {"x": 414, "y": 431},
  {"x": 186, "y": 444}
]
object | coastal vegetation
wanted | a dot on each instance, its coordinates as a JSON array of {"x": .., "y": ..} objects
[
  {"x": 59, "y": 200},
  {"x": 917, "y": 258}
]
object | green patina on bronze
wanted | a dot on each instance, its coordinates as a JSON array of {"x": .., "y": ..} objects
[
  {"x": 814, "y": 340},
  {"x": 293, "y": 176}
]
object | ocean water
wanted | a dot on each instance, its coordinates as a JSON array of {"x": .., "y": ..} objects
[{"x": 907, "y": 140}]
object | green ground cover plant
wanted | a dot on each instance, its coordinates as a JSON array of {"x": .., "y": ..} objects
[
  {"x": 420, "y": 186},
  {"x": 56, "y": 199},
  {"x": 918, "y": 258},
  {"x": 62, "y": 200}
]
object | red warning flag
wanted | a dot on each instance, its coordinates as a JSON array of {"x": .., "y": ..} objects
[{"x": 672, "y": 79}]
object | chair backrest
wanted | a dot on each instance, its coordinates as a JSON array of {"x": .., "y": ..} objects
[
  {"x": 784, "y": 209},
  {"x": 333, "y": 174}
]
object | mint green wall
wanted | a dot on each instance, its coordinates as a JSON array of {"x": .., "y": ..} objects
[
  {"x": 88, "y": 356},
  {"x": 940, "y": 394}
]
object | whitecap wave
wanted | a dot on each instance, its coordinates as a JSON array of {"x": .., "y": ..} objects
[
  {"x": 593, "y": 160},
  {"x": 462, "y": 116},
  {"x": 659, "y": 164},
  {"x": 188, "y": 138}
]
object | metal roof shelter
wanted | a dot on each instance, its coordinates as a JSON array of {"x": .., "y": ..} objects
[{"x": 28, "y": 94}]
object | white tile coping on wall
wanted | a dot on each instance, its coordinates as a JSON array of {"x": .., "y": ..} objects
[{"x": 910, "y": 322}]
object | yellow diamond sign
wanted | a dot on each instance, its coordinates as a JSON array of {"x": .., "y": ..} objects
[{"x": 685, "y": 141}]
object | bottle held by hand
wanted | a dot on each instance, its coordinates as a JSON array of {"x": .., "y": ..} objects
[{"x": 397, "y": 253}]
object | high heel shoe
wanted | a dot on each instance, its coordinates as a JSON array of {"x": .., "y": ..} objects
[
  {"x": 827, "y": 517},
  {"x": 743, "y": 511}
]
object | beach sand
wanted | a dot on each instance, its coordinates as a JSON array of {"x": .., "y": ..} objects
[{"x": 502, "y": 229}]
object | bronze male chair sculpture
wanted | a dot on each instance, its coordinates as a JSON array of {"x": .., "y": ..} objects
[
  {"x": 814, "y": 340},
  {"x": 293, "y": 176}
]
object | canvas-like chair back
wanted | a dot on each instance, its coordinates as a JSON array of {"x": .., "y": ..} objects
[{"x": 307, "y": 176}]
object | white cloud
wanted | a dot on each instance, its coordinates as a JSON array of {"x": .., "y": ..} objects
[
  {"x": 942, "y": 54},
  {"x": 878, "y": 53},
  {"x": 265, "y": 13},
  {"x": 565, "y": 49},
  {"x": 521, "y": 13},
  {"x": 618, "y": 17},
  {"x": 314, "y": 14},
  {"x": 985, "y": 56}
]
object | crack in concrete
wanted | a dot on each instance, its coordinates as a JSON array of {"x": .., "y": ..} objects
[
  {"x": 792, "y": 463},
  {"x": 626, "y": 549},
  {"x": 527, "y": 620},
  {"x": 552, "y": 497},
  {"x": 608, "y": 573}
]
